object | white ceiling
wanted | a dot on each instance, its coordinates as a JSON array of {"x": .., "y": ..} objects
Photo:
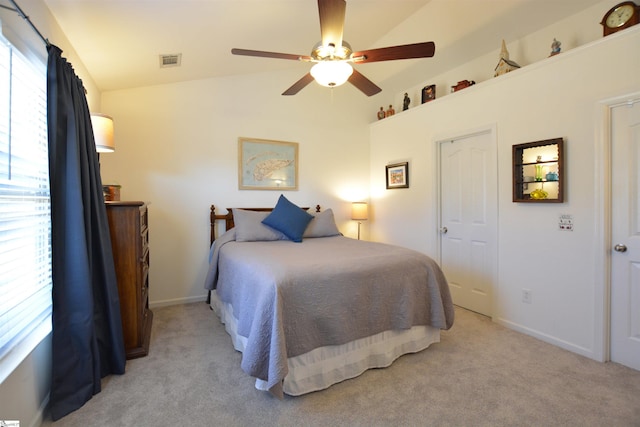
[{"x": 120, "y": 41}]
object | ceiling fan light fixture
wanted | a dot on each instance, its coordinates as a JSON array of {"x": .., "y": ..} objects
[
  {"x": 331, "y": 52},
  {"x": 333, "y": 56},
  {"x": 331, "y": 73}
]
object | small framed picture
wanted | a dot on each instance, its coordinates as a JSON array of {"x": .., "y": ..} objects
[
  {"x": 398, "y": 175},
  {"x": 428, "y": 93}
]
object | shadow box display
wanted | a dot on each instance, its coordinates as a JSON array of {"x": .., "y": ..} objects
[{"x": 538, "y": 171}]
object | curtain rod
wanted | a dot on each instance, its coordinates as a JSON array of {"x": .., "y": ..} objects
[{"x": 26, "y": 18}]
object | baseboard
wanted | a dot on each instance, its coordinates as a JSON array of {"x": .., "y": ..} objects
[
  {"x": 38, "y": 417},
  {"x": 176, "y": 301},
  {"x": 583, "y": 351}
]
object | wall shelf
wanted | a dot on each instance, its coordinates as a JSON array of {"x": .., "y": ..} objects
[{"x": 538, "y": 171}]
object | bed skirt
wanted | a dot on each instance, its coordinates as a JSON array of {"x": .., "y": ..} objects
[{"x": 324, "y": 366}]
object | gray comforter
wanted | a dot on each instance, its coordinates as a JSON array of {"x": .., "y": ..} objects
[{"x": 290, "y": 298}]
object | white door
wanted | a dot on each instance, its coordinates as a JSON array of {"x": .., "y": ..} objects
[
  {"x": 625, "y": 235},
  {"x": 468, "y": 219}
]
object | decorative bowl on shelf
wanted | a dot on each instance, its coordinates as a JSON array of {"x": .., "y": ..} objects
[
  {"x": 552, "y": 176},
  {"x": 539, "y": 194}
]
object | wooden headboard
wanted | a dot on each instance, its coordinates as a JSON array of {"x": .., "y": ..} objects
[{"x": 228, "y": 218}]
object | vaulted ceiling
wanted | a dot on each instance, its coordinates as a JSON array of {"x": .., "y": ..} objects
[{"x": 120, "y": 41}]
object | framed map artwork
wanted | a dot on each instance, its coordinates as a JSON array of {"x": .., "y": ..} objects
[{"x": 267, "y": 165}]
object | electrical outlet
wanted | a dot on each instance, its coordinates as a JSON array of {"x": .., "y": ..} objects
[
  {"x": 565, "y": 222},
  {"x": 526, "y": 296}
]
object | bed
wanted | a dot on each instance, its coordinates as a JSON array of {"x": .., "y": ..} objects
[{"x": 311, "y": 308}]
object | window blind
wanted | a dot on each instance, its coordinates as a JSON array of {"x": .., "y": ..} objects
[{"x": 25, "y": 222}]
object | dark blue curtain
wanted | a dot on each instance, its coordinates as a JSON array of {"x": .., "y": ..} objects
[{"x": 87, "y": 330}]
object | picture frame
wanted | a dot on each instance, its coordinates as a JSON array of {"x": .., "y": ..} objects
[
  {"x": 265, "y": 164},
  {"x": 397, "y": 175},
  {"x": 428, "y": 93}
]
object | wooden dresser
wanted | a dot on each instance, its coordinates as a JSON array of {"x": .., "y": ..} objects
[{"x": 129, "y": 227}]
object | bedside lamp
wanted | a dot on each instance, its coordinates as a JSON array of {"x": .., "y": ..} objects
[
  {"x": 103, "y": 137},
  {"x": 103, "y": 133},
  {"x": 359, "y": 212}
]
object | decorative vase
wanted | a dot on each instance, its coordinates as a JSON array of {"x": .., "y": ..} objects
[{"x": 539, "y": 174}]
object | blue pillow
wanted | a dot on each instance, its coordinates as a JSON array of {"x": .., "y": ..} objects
[{"x": 288, "y": 219}]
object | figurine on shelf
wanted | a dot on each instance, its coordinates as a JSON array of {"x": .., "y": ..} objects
[
  {"x": 505, "y": 64},
  {"x": 462, "y": 84},
  {"x": 406, "y": 102},
  {"x": 555, "y": 47},
  {"x": 381, "y": 113},
  {"x": 390, "y": 112}
]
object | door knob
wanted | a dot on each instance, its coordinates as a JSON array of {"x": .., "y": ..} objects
[
  {"x": 444, "y": 230},
  {"x": 620, "y": 248}
]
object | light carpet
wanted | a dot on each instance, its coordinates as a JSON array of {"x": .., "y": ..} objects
[{"x": 480, "y": 374}]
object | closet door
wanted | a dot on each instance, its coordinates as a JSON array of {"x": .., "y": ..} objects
[
  {"x": 625, "y": 238},
  {"x": 468, "y": 213}
]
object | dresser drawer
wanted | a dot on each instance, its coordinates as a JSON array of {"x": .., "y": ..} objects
[
  {"x": 145, "y": 272},
  {"x": 144, "y": 218},
  {"x": 144, "y": 259},
  {"x": 144, "y": 246},
  {"x": 144, "y": 294}
]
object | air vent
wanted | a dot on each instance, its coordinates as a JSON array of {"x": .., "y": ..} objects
[{"x": 172, "y": 60}]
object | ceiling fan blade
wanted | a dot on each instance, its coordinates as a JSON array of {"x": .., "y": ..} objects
[
  {"x": 364, "y": 84},
  {"x": 332, "y": 14},
  {"x": 407, "y": 51},
  {"x": 299, "y": 85},
  {"x": 263, "y": 54}
]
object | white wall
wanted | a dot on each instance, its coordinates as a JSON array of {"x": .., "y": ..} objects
[
  {"x": 176, "y": 148},
  {"x": 555, "y": 97},
  {"x": 25, "y": 393}
]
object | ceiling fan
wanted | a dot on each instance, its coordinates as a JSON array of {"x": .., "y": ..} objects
[{"x": 333, "y": 56}]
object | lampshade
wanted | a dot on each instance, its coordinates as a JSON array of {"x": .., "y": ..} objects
[
  {"x": 331, "y": 73},
  {"x": 359, "y": 211},
  {"x": 103, "y": 133}
]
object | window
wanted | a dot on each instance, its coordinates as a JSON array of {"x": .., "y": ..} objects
[{"x": 25, "y": 222}]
